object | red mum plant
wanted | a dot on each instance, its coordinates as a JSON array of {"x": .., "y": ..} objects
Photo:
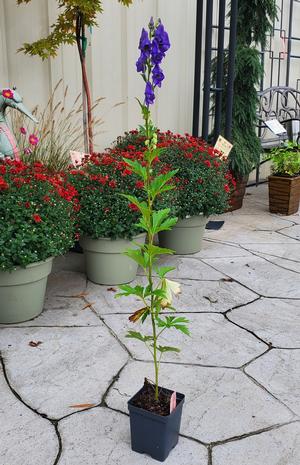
[
  {"x": 100, "y": 182},
  {"x": 203, "y": 181},
  {"x": 38, "y": 214}
]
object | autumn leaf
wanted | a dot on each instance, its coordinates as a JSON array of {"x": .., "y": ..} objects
[
  {"x": 82, "y": 405},
  {"x": 35, "y": 344},
  {"x": 111, "y": 289},
  {"x": 137, "y": 315},
  {"x": 82, "y": 294},
  {"x": 88, "y": 306}
]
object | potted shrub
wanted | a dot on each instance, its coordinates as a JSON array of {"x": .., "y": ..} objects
[
  {"x": 254, "y": 26},
  {"x": 155, "y": 412},
  {"x": 107, "y": 220},
  {"x": 203, "y": 185},
  {"x": 37, "y": 223},
  {"x": 284, "y": 183}
]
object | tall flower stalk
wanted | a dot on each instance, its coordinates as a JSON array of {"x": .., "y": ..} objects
[{"x": 156, "y": 296}]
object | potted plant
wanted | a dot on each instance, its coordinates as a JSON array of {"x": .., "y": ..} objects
[
  {"x": 284, "y": 183},
  {"x": 203, "y": 185},
  {"x": 37, "y": 223},
  {"x": 107, "y": 220},
  {"x": 155, "y": 412}
]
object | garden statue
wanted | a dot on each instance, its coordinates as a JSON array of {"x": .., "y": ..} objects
[{"x": 8, "y": 144}]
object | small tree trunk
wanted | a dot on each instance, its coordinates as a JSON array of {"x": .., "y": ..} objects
[{"x": 80, "y": 30}]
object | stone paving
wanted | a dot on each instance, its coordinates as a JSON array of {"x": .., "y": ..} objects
[{"x": 66, "y": 376}]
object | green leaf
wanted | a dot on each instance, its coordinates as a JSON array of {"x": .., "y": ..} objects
[
  {"x": 154, "y": 250},
  {"x": 130, "y": 290},
  {"x": 142, "y": 206},
  {"x": 167, "y": 225},
  {"x": 164, "y": 349},
  {"x": 158, "y": 217},
  {"x": 160, "y": 181},
  {"x": 137, "y": 256},
  {"x": 137, "y": 168},
  {"x": 138, "y": 336},
  {"x": 163, "y": 270}
]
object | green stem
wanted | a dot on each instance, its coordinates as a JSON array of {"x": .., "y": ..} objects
[{"x": 150, "y": 243}]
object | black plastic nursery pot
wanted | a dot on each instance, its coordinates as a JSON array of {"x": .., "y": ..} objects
[{"x": 153, "y": 434}]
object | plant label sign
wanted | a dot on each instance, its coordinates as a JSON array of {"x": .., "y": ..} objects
[
  {"x": 223, "y": 146},
  {"x": 77, "y": 158},
  {"x": 173, "y": 402},
  {"x": 276, "y": 127}
]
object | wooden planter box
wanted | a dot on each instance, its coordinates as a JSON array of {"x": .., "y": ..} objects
[{"x": 284, "y": 194}]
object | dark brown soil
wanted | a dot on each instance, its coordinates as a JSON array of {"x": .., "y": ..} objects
[{"x": 146, "y": 400}]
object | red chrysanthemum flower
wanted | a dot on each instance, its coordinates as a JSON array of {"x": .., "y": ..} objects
[
  {"x": 133, "y": 207},
  {"x": 36, "y": 218},
  {"x": 139, "y": 184}
]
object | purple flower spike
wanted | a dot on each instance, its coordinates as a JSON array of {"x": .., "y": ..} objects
[
  {"x": 149, "y": 94},
  {"x": 153, "y": 46}
]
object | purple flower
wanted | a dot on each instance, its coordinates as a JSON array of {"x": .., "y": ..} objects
[
  {"x": 141, "y": 64},
  {"x": 158, "y": 76},
  {"x": 149, "y": 94},
  {"x": 156, "y": 55},
  {"x": 162, "y": 38},
  {"x": 145, "y": 43}
]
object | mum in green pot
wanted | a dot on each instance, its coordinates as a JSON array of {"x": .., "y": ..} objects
[
  {"x": 203, "y": 185},
  {"x": 37, "y": 212},
  {"x": 108, "y": 220}
]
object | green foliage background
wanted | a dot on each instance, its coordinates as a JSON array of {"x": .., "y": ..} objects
[{"x": 255, "y": 22}]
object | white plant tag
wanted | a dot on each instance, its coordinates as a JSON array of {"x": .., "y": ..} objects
[
  {"x": 223, "y": 146},
  {"x": 275, "y": 127},
  {"x": 173, "y": 402},
  {"x": 76, "y": 158}
]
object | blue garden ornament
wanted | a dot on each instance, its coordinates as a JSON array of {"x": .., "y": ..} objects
[{"x": 8, "y": 144}]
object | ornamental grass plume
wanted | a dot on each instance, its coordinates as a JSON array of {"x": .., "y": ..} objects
[{"x": 157, "y": 295}]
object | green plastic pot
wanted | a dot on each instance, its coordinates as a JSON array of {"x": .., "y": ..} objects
[
  {"x": 186, "y": 237},
  {"x": 105, "y": 260},
  {"x": 22, "y": 292}
]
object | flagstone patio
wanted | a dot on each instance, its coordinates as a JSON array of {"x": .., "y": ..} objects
[{"x": 66, "y": 376}]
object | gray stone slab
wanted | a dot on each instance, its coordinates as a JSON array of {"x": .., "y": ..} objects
[
  {"x": 220, "y": 403},
  {"x": 61, "y": 311},
  {"x": 278, "y": 447},
  {"x": 71, "y": 366},
  {"x": 289, "y": 252},
  {"x": 293, "y": 232},
  {"x": 241, "y": 229},
  {"x": 101, "y": 436},
  {"x": 25, "y": 437},
  {"x": 279, "y": 372},
  {"x": 214, "y": 341},
  {"x": 66, "y": 283},
  {"x": 218, "y": 250},
  {"x": 189, "y": 267},
  {"x": 260, "y": 276},
  {"x": 196, "y": 296},
  {"x": 276, "y": 321}
]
